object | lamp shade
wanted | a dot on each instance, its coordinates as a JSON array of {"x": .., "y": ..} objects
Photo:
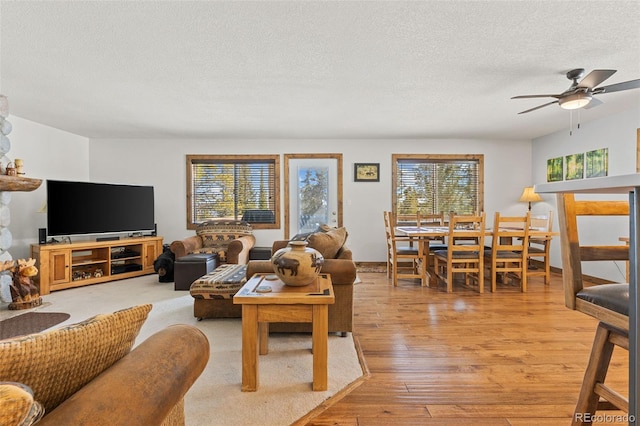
[{"x": 529, "y": 195}]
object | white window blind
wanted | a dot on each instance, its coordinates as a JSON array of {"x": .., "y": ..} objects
[
  {"x": 433, "y": 185},
  {"x": 233, "y": 189}
]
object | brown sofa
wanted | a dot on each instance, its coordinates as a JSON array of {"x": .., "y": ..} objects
[
  {"x": 343, "y": 274},
  {"x": 87, "y": 374},
  {"x": 231, "y": 240}
]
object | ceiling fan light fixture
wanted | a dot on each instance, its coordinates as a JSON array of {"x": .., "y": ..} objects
[{"x": 575, "y": 101}]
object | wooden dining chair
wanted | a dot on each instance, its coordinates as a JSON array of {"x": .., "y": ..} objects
[
  {"x": 540, "y": 247},
  {"x": 509, "y": 247},
  {"x": 388, "y": 240},
  {"x": 425, "y": 220},
  {"x": 403, "y": 261},
  {"x": 608, "y": 303},
  {"x": 433, "y": 219},
  {"x": 408, "y": 219},
  {"x": 430, "y": 219},
  {"x": 466, "y": 259}
]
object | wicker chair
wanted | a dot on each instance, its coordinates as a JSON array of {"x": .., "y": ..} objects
[{"x": 87, "y": 373}]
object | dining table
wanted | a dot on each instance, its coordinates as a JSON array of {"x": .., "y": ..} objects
[
  {"x": 424, "y": 234},
  {"x": 629, "y": 185}
]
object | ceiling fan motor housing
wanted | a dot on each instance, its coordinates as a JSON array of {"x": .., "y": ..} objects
[{"x": 575, "y": 74}]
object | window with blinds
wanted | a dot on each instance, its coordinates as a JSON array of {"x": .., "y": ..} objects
[
  {"x": 233, "y": 187},
  {"x": 431, "y": 184}
]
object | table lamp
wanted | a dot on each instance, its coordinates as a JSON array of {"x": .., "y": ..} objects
[{"x": 529, "y": 196}]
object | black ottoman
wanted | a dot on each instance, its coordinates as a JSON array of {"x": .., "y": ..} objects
[
  {"x": 260, "y": 253},
  {"x": 189, "y": 268}
]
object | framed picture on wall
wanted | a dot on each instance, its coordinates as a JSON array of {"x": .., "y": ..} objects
[
  {"x": 597, "y": 163},
  {"x": 574, "y": 164},
  {"x": 555, "y": 169},
  {"x": 366, "y": 172}
]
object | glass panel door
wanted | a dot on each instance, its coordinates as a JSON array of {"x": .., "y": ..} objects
[{"x": 313, "y": 192}]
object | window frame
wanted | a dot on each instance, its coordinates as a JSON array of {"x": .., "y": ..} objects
[
  {"x": 199, "y": 158},
  {"x": 479, "y": 158}
]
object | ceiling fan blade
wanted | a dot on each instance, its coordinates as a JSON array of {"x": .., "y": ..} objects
[
  {"x": 593, "y": 103},
  {"x": 595, "y": 77},
  {"x": 626, "y": 85},
  {"x": 535, "y": 96},
  {"x": 538, "y": 107}
]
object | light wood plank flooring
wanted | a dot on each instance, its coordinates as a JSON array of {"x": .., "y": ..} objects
[{"x": 504, "y": 358}]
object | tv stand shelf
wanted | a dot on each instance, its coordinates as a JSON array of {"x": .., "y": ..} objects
[{"x": 84, "y": 263}]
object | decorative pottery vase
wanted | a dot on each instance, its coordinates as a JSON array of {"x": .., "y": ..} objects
[{"x": 297, "y": 265}]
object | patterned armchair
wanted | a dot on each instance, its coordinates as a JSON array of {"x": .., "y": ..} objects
[{"x": 231, "y": 240}]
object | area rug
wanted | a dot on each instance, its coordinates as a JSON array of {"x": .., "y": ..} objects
[
  {"x": 30, "y": 322},
  {"x": 285, "y": 373},
  {"x": 285, "y": 378}
]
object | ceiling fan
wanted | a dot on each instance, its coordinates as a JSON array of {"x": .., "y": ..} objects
[{"x": 580, "y": 94}]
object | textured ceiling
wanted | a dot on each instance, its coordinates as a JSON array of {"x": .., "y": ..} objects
[{"x": 310, "y": 69}]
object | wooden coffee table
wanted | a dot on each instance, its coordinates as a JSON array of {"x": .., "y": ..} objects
[{"x": 283, "y": 304}]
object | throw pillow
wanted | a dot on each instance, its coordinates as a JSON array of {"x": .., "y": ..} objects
[
  {"x": 328, "y": 243},
  {"x": 57, "y": 363},
  {"x": 17, "y": 406}
]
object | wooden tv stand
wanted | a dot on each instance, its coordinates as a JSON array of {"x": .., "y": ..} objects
[{"x": 68, "y": 265}]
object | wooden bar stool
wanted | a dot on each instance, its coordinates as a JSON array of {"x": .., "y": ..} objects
[{"x": 609, "y": 303}]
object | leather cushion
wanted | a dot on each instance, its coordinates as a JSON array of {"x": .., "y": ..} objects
[
  {"x": 614, "y": 297},
  {"x": 457, "y": 254},
  {"x": 407, "y": 250},
  {"x": 503, "y": 254}
]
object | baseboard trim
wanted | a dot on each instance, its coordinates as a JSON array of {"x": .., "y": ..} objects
[{"x": 382, "y": 267}]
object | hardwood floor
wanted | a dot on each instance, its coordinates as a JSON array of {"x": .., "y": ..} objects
[{"x": 504, "y": 358}]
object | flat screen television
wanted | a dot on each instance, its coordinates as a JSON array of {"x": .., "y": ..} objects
[{"x": 82, "y": 208}]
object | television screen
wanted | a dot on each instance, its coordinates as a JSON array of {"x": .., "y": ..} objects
[{"x": 75, "y": 208}]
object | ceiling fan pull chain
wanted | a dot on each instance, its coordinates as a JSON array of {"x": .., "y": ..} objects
[{"x": 570, "y": 123}]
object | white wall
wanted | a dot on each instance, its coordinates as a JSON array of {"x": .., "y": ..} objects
[
  {"x": 162, "y": 163},
  {"x": 509, "y": 166},
  {"x": 618, "y": 133},
  {"x": 48, "y": 153}
]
